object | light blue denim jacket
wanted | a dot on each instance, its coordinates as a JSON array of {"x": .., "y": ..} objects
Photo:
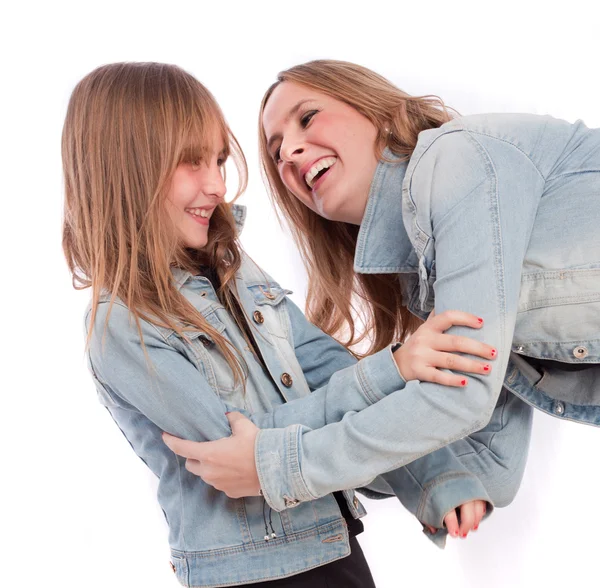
[
  {"x": 497, "y": 215},
  {"x": 186, "y": 387}
]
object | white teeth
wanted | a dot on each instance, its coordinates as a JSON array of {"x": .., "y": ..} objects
[
  {"x": 198, "y": 212},
  {"x": 324, "y": 163}
]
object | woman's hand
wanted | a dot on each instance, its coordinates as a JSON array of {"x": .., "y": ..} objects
[
  {"x": 470, "y": 515},
  {"x": 429, "y": 349},
  {"x": 227, "y": 464}
]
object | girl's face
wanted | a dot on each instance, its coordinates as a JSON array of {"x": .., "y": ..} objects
[
  {"x": 324, "y": 150},
  {"x": 197, "y": 189}
]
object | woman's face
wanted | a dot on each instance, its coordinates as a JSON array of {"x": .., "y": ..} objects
[
  {"x": 196, "y": 190},
  {"x": 324, "y": 150}
]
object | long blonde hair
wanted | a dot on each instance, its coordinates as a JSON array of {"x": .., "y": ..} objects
[
  {"x": 337, "y": 297},
  {"x": 128, "y": 126}
]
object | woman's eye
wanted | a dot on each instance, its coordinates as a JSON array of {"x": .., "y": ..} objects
[
  {"x": 307, "y": 117},
  {"x": 277, "y": 155},
  {"x": 221, "y": 162},
  {"x": 195, "y": 163}
]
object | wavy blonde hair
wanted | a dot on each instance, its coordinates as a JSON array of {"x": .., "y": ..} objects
[
  {"x": 337, "y": 297},
  {"x": 128, "y": 126}
]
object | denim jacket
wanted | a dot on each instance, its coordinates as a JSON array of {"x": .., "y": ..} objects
[
  {"x": 185, "y": 387},
  {"x": 496, "y": 215}
]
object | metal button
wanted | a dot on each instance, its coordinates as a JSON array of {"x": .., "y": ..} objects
[
  {"x": 269, "y": 295},
  {"x": 355, "y": 502},
  {"x": 519, "y": 348},
  {"x": 172, "y": 567},
  {"x": 290, "y": 502},
  {"x": 258, "y": 317},
  {"x": 286, "y": 380},
  {"x": 580, "y": 352},
  {"x": 559, "y": 408},
  {"x": 206, "y": 341}
]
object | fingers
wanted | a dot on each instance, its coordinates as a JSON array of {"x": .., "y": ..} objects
[
  {"x": 450, "y": 318},
  {"x": 480, "y": 509},
  {"x": 467, "y": 518},
  {"x": 194, "y": 466},
  {"x": 458, "y": 363},
  {"x": 458, "y": 344},
  {"x": 190, "y": 449},
  {"x": 451, "y": 522},
  {"x": 443, "y": 378}
]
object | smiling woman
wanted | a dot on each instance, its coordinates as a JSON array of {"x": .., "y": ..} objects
[{"x": 344, "y": 138}]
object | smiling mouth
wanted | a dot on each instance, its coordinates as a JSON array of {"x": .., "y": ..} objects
[
  {"x": 201, "y": 212},
  {"x": 318, "y": 170}
]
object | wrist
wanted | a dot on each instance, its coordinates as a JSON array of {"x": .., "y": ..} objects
[{"x": 395, "y": 349}]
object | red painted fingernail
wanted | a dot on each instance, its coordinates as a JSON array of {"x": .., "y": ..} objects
[
  {"x": 480, "y": 320},
  {"x": 454, "y": 533},
  {"x": 486, "y": 368},
  {"x": 494, "y": 353},
  {"x": 475, "y": 527},
  {"x": 227, "y": 413},
  {"x": 463, "y": 535},
  {"x": 463, "y": 382}
]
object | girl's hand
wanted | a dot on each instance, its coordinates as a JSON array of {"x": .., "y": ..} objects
[
  {"x": 428, "y": 350},
  {"x": 227, "y": 464},
  {"x": 470, "y": 515}
]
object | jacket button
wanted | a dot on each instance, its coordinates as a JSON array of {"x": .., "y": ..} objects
[
  {"x": 559, "y": 408},
  {"x": 290, "y": 502},
  {"x": 580, "y": 352},
  {"x": 269, "y": 295},
  {"x": 205, "y": 341},
  {"x": 520, "y": 349},
  {"x": 286, "y": 380},
  {"x": 355, "y": 502},
  {"x": 258, "y": 317}
]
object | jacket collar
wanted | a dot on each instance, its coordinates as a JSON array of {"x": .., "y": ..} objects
[{"x": 383, "y": 245}]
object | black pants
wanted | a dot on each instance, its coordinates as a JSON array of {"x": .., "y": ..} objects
[{"x": 349, "y": 572}]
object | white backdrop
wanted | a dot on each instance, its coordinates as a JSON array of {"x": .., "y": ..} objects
[{"x": 77, "y": 505}]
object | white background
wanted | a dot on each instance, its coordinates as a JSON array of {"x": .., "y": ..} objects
[{"x": 77, "y": 506}]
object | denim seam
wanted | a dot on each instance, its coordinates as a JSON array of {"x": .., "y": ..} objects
[
  {"x": 429, "y": 488},
  {"x": 365, "y": 386},
  {"x": 299, "y": 487},
  {"x": 473, "y": 132}
]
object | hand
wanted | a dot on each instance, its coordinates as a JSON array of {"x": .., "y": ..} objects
[
  {"x": 227, "y": 464},
  {"x": 470, "y": 515},
  {"x": 428, "y": 349}
]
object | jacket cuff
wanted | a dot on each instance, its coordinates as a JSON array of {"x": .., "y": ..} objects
[
  {"x": 278, "y": 466},
  {"x": 379, "y": 375},
  {"x": 446, "y": 493}
]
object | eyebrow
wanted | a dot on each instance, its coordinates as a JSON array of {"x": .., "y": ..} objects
[{"x": 290, "y": 114}]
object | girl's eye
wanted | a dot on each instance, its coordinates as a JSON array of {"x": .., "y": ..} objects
[
  {"x": 277, "y": 155},
  {"x": 195, "y": 163},
  {"x": 221, "y": 162},
  {"x": 307, "y": 117}
]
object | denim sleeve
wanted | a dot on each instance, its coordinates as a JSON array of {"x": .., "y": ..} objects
[
  {"x": 435, "y": 485},
  {"x": 163, "y": 385},
  {"x": 482, "y": 209}
]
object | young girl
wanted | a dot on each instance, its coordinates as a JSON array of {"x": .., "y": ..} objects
[
  {"x": 394, "y": 201},
  {"x": 183, "y": 328}
]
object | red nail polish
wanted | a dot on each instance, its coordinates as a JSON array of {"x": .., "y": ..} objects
[
  {"x": 480, "y": 320},
  {"x": 464, "y": 535},
  {"x": 227, "y": 413},
  {"x": 486, "y": 368},
  {"x": 463, "y": 382},
  {"x": 494, "y": 353}
]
